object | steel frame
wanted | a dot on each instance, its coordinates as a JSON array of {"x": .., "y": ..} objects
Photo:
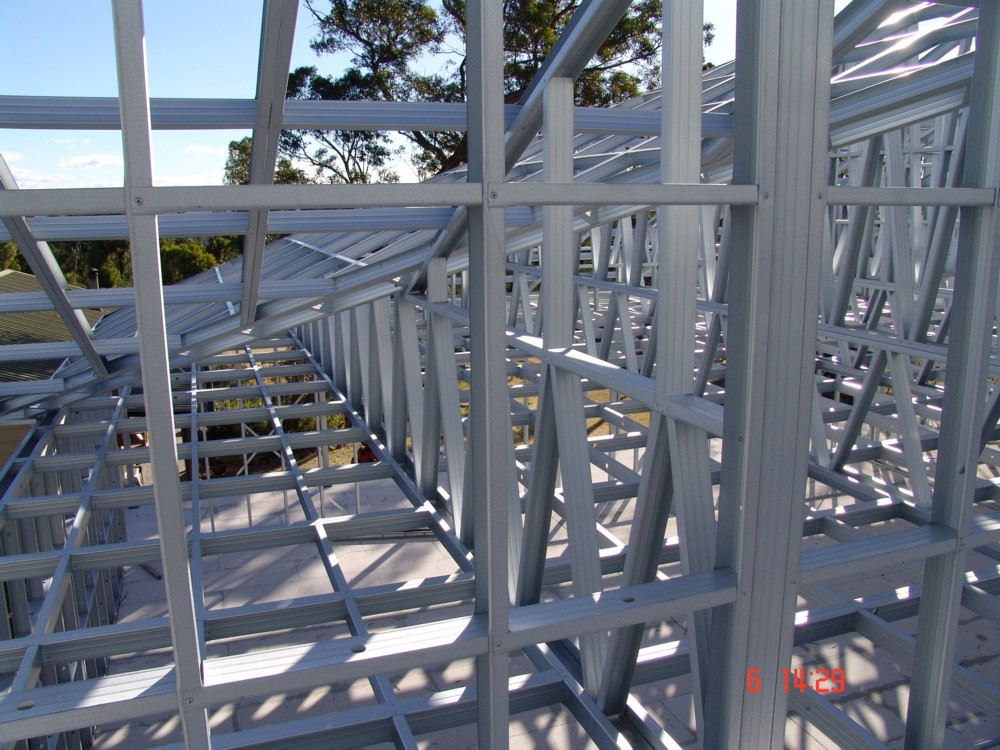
[{"x": 687, "y": 392}]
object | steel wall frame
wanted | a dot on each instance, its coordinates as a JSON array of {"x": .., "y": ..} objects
[{"x": 799, "y": 263}]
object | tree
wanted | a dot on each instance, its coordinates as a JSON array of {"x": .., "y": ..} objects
[
  {"x": 10, "y": 257},
  {"x": 182, "y": 258},
  {"x": 111, "y": 259},
  {"x": 352, "y": 156},
  {"x": 225, "y": 247},
  {"x": 391, "y": 42},
  {"x": 237, "y": 169},
  {"x": 237, "y": 172}
]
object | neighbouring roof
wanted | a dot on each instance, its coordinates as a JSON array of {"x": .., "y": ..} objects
[{"x": 31, "y": 327}]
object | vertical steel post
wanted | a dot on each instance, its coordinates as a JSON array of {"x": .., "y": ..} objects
[
  {"x": 155, "y": 363},
  {"x": 563, "y": 393},
  {"x": 678, "y": 240},
  {"x": 783, "y": 64},
  {"x": 973, "y": 308},
  {"x": 489, "y": 406}
]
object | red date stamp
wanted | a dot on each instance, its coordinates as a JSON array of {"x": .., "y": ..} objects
[{"x": 820, "y": 680}]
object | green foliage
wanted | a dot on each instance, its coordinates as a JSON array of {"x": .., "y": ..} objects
[
  {"x": 225, "y": 248},
  {"x": 111, "y": 259},
  {"x": 237, "y": 172},
  {"x": 10, "y": 257},
  {"x": 392, "y": 41},
  {"x": 180, "y": 258},
  {"x": 237, "y": 169},
  {"x": 357, "y": 156},
  {"x": 114, "y": 269},
  {"x": 230, "y": 431},
  {"x": 625, "y": 65},
  {"x": 183, "y": 258}
]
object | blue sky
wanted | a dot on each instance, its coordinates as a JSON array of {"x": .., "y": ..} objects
[
  {"x": 65, "y": 48},
  {"x": 206, "y": 48}
]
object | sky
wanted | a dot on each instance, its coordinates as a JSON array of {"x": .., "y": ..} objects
[{"x": 65, "y": 48}]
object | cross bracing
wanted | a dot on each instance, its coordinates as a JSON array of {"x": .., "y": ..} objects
[{"x": 678, "y": 395}]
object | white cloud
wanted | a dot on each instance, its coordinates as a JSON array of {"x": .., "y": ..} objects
[
  {"x": 197, "y": 148},
  {"x": 12, "y": 156},
  {"x": 32, "y": 178},
  {"x": 89, "y": 161}
]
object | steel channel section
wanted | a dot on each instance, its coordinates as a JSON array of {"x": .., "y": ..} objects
[
  {"x": 155, "y": 368},
  {"x": 966, "y": 686},
  {"x": 428, "y": 432},
  {"x": 834, "y": 723},
  {"x": 493, "y": 515},
  {"x": 368, "y": 360},
  {"x": 58, "y": 608},
  {"x": 663, "y": 667},
  {"x": 563, "y": 390},
  {"x": 221, "y": 335},
  {"x": 565, "y": 662},
  {"x": 400, "y": 392},
  {"x": 942, "y": 233},
  {"x": 50, "y": 277},
  {"x": 178, "y": 200},
  {"x": 372, "y": 724},
  {"x": 195, "y": 537},
  {"x": 409, "y": 487},
  {"x": 101, "y": 113},
  {"x": 973, "y": 309},
  {"x": 937, "y": 543},
  {"x": 677, "y": 239},
  {"x": 442, "y": 371},
  {"x": 586, "y": 31},
  {"x": 272, "y": 82},
  {"x": 394, "y": 412},
  {"x": 121, "y": 638},
  {"x": 780, "y": 144},
  {"x": 382, "y": 688}
]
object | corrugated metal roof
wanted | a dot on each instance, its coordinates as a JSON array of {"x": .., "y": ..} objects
[{"x": 31, "y": 328}]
